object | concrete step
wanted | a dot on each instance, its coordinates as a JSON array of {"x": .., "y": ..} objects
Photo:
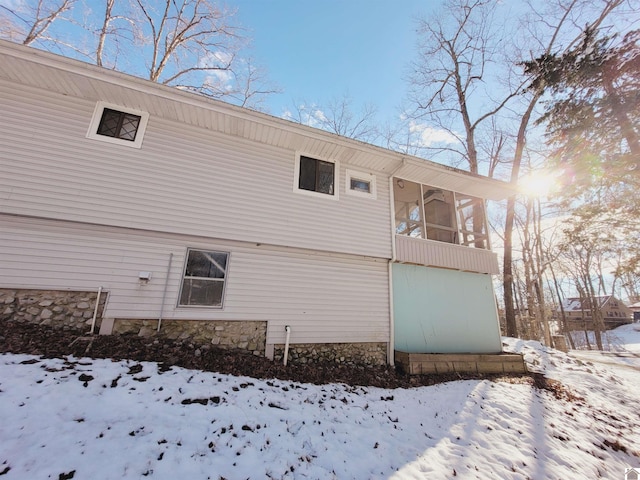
[{"x": 430, "y": 363}]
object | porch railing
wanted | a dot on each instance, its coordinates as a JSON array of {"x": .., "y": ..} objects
[{"x": 445, "y": 255}]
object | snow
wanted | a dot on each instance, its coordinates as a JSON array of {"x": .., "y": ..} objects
[{"x": 97, "y": 419}]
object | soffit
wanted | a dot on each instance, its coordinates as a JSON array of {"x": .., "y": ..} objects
[{"x": 448, "y": 178}]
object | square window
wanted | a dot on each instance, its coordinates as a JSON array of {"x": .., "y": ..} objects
[
  {"x": 204, "y": 279},
  {"x": 119, "y": 125},
  {"x": 361, "y": 184},
  {"x": 316, "y": 176}
]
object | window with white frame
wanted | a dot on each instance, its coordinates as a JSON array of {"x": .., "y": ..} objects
[
  {"x": 316, "y": 177},
  {"x": 204, "y": 278},
  {"x": 118, "y": 125},
  {"x": 361, "y": 184}
]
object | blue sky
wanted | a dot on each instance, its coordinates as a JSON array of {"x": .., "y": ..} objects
[{"x": 324, "y": 49}]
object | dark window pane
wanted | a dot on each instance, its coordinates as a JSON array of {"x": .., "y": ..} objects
[
  {"x": 325, "y": 177},
  {"x": 109, "y": 123},
  {"x": 118, "y": 124},
  {"x": 129, "y": 127},
  {"x": 316, "y": 175},
  {"x": 206, "y": 264},
  {"x": 307, "y": 179},
  {"x": 201, "y": 292}
]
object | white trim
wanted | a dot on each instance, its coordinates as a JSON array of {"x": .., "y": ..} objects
[
  {"x": 184, "y": 272},
  {"x": 365, "y": 177},
  {"x": 97, "y": 116},
  {"x": 336, "y": 177}
]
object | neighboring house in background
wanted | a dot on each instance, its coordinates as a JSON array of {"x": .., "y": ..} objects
[
  {"x": 579, "y": 316},
  {"x": 635, "y": 310},
  {"x": 217, "y": 224}
]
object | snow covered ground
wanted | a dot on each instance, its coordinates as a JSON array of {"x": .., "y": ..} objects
[{"x": 97, "y": 419}]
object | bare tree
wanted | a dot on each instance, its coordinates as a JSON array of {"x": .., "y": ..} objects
[
  {"x": 567, "y": 12},
  {"x": 188, "y": 44},
  {"x": 102, "y": 36},
  {"x": 117, "y": 27},
  {"x": 452, "y": 71},
  {"x": 457, "y": 87},
  {"x": 34, "y": 19},
  {"x": 188, "y": 37},
  {"x": 338, "y": 116},
  {"x": 253, "y": 85}
]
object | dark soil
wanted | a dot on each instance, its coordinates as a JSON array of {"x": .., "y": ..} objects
[{"x": 51, "y": 342}]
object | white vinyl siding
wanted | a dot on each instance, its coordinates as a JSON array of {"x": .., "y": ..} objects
[
  {"x": 184, "y": 180},
  {"x": 432, "y": 253},
  {"x": 323, "y": 297}
]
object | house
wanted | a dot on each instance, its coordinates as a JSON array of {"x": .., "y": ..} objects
[
  {"x": 632, "y": 474},
  {"x": 635, "y": 310},
  {"x": 579, "y": 315},
  {"x": 131, "y": 207}
]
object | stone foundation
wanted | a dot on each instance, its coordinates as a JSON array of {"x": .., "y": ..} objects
[
  {"x": 345, "y": 353},
  {"x": 57, "y": 308},
  {"x": 245, "y": 335}
]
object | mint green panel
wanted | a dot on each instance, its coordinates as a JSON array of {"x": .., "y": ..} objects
[{"x": 444, "y": 311}]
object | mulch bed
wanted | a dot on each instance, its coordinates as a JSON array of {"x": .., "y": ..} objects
[{"x": 51, "y": 342}]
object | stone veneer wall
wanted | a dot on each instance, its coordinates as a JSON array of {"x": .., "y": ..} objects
[
  {"x": 346, "y": 353},
  {"x": 73, "y": 309},
  {"x": 57, "y": 308},
  {"x": 245, "y": 335}
]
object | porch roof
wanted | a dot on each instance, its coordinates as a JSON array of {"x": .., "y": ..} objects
[{"x": 449, "y": 178}]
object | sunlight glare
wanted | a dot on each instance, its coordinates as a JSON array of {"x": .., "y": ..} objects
[{"x": 539, "y": 183}]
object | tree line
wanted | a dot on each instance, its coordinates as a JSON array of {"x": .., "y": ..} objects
[{"x": 194, "y": 45}]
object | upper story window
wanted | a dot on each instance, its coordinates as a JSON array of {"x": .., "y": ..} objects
[
  {"x": 119, "y": 125},
  {"x": 361, "y": 184},
  {"x": 204, "y": 278},
  {"x": 424, "y": 211},
  {"x": 316, "y": 177}
]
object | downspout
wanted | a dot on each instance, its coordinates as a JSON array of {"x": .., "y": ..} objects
[
  {"x": 95, "y": 311},
  {"x": 164, "y": 292},
  {"x": 392, "y": 336},
  {"x": 286, "y": 345},
  {"x": 392, "y": 260}
]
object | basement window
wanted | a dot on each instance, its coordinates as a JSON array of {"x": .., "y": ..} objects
[
  {"x": 316, "y": 177},
  {"x": 204, "y": 278},
  {"x": 119, "y": 125}
]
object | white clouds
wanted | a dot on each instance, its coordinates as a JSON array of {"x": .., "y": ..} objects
[
  {"x": 427, "y": 136},
  {"x": 217, "y": 59},
  {"x": 309, "y": 115},
  {"x": 219, "y": 78}
]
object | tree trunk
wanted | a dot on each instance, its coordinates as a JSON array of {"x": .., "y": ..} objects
[
  {"x": 507, "y": 278},
  {"x": 507, "y": 273},
  {"x": 563, "y": 315}
]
